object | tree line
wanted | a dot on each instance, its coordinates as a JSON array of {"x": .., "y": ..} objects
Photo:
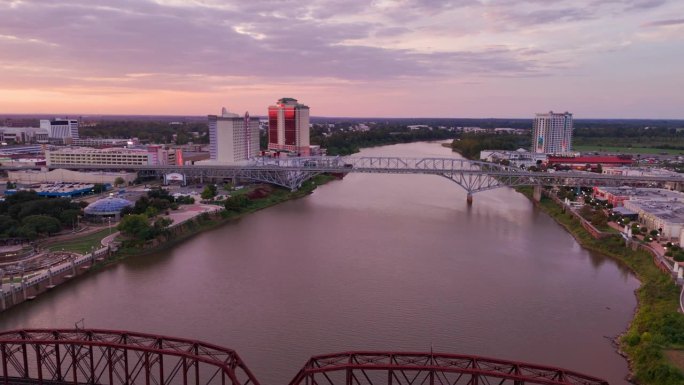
[
  {"x": 349, "y": 142},
  {"x": 469, "y": 145},
  {"x": 148, "y": 132},
  {"x": 28, "y": 215}
]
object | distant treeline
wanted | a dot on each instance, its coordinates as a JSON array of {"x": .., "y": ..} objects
[
  {"x": 470, "y": 144},
  {"x": 152, "y": 132},
  {"x": 349, "y": 142}
]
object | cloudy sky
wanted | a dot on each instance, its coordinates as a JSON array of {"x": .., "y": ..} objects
[{"x": 404, "y": 58}]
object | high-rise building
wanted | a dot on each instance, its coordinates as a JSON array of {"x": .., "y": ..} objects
[
  {"x": 288, "y": 127},
  {"x": 552, "y": 133},
  {"x": 233, "y": 138},
  {"x": 61, "y": 128}
]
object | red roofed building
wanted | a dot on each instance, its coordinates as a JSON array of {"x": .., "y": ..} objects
[{"x": 609, "y": 161}]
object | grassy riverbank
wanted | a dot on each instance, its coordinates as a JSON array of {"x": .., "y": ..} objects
[
  {"x": 207, "y": 222},
  {"x": 81, "y": 245},
  {"x": 657, "y": 328}
]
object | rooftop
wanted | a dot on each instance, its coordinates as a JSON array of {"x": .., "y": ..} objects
[
  {"x": 108, "y": 205},
  {"x": 670, "y": 211},
  {"x": 644, "y": 193}
]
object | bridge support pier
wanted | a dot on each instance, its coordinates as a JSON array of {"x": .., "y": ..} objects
[
  {"x": 537, "y": 193},
  {"x": 469, "y": 199}
]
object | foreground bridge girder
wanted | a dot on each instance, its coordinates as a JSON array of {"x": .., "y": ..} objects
[{"x": 108, "y": 357}]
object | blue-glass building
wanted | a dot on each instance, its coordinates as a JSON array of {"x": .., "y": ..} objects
[{"x": 109, "y": 207}]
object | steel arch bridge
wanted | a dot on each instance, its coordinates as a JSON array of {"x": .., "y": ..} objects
[
  {"x": 472, "y": 176},
  {"x": 108, "y": 357}
]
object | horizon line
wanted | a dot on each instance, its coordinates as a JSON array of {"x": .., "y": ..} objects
[{"x": 7, "y": 115}]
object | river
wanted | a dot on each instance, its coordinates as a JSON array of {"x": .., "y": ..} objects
[{"x": 371, "y": 262}]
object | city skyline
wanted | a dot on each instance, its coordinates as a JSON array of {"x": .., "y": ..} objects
[{"x": 462, "y": 58}]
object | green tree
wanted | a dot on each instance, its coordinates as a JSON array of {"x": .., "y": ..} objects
[
  {"x": 69, "y": 217},
  {"x": 237, "y": 203},
  {"x": 136, "y": 226},
  {"x": 586, "y": 212},
  {"x": 41, "y": 224},
  {"x": 209, "y": 192},
  {"x": 599, "y": 220},
  {"x": 119, "y": 181},
  {"x": 7, "y": 225}
]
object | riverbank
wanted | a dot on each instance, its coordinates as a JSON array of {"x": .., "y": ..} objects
[
  {"x": 208, "y": 222},
  {"x": 105, "y": 257},
  {"x": 657, "y": 327}
]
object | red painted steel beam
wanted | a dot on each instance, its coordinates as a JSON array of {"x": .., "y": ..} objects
[
  {"x": 193, "y": 352},
  {"x": 438, "y": 362},
  {"x": 198, "y": 352}
]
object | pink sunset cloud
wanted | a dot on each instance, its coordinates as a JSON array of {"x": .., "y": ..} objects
[{"x": 352, "y": 58}]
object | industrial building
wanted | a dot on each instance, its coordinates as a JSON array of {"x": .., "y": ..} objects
[
  {"x": 58, "y": 190},
  {"x": 95, "y": 157},
  {"x": 138, "y": 156},
  {"x": 22, "y": 135},
  {"x": 68, "y": 176},
  {"x": 618, "y": 195},
  {"x": 517, "y": 158},
  {"x": 666, "y": 216}
]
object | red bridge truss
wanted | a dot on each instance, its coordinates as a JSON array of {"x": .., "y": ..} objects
[
  {"x": 375, "y": 368},
  {"x": 107, "y": 357},
  {"x": 116, "y": 357}
]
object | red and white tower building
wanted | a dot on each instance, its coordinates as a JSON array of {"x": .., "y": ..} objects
[{"x": 288, "y": 127}]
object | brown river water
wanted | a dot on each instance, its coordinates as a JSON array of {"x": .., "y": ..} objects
[{"x": 371, "y": 262}]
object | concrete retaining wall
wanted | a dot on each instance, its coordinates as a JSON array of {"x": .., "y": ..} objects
[{"x": 30, "y": 288}]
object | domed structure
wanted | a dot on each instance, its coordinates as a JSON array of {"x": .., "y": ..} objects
[{"x": 109, "y": 207}]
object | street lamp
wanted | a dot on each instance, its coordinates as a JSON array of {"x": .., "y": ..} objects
[{"x": 109, "y": 221}]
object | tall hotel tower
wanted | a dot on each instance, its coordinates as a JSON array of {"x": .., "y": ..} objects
[
  {"x": 552, "y": 133},
  {"x": 60, "y": 128},
  {"x": 233, "y": 138},
  {"x": 288, "y": 127}
]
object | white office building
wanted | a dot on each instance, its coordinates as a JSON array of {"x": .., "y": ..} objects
[
  {"x": 232, "y": 138},
  {"x": 98, "y": 157},
  {"x": 552, "y": 133},
  {"x": 60, "y": 128},
  {"x": 16, "y": 135}
]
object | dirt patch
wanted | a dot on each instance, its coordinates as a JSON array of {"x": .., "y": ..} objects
[{"x": 676, "y": 357}]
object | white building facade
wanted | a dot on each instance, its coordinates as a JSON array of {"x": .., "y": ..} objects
[
  {"x": 60, "y": 128},
  {"x": 23, "y": 135},
  {"x": 104, "y": 157},
  {"x": 233, "y": 138},
  {"x": 552, "y": 133}
]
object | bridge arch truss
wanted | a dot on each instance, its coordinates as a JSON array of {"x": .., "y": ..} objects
[
  {"x": 116, "y": 358},
  {"x": 387, "y": 368},
  {"x": 109, "y": 357}
]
